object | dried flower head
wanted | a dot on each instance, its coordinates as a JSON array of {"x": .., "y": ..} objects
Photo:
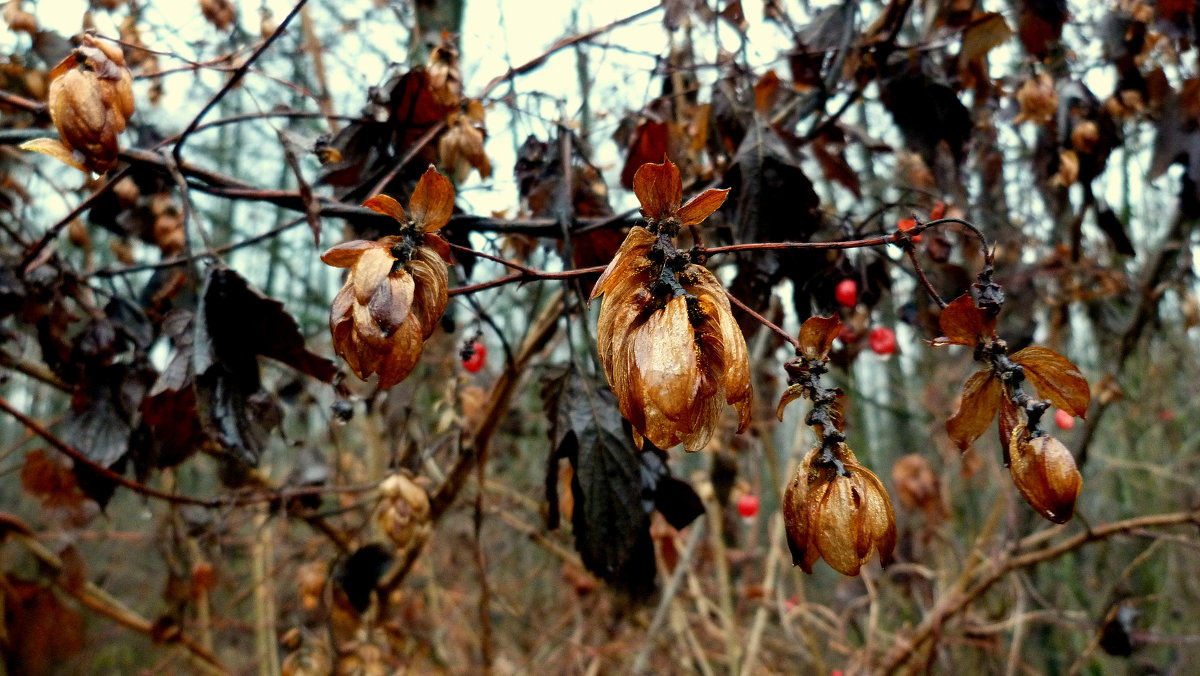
[
  {"x": 397, "y": 288},
  {"x": 667, "y": 339},
  {"x": 461, "y": 148},
  {"x": 840, "y": 516},
  {"x": 90, "y": 100},
  {"x": 1045, "y": 473},
  {"x": 1038, "y": 100},
  {"x": 403, "y": 513},
  {"x": 220, "y": 13}
]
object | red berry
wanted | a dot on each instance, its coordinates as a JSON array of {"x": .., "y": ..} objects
[
  {"x": 846, "y": 293},
  {"x": 474, "y": 363},
  {"x": 938, "y": 211},
  {"x": 1064, "y": 420},
  {"x": 883, "y": 340},
  {"x": 1166, "y": 415},
  {"x": 747, "y": 505},
  {"x": 906, "y": 224}
]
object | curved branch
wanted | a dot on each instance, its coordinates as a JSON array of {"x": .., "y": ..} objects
[{"x": 954, "y": 604}]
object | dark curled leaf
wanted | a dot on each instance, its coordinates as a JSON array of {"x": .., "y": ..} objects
[
  {"x": 672, "y": 497},
  {"x": 240, "y": 320},
  {"x": 611, "y": 519},
  {"x": 100, "y": 423},
  {"x": 1114, "y": 229},
  {"x": 234, "y": 325},
  {"x": 772, "y": 201}
]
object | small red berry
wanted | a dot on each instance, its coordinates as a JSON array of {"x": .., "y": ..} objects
[
  {"x": 747, "y": 505},
  {"x": 1064, "y": 420},
  {"x": 883, "y": 340},
  {"x": 474, "y": 363},
  {"x": 846, "y": 293},
  {"x": 1166, "y": 415},
  {"x": 938, "y": 211},
  {"x": 906, "y": 224}
]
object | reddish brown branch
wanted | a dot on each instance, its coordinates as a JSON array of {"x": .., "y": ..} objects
[{"x": 950, "y": 606}]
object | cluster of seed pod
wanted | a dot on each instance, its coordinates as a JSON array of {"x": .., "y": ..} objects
[
  {"x": 666, "y": 337},
  {"x": 397, "y": 288}
]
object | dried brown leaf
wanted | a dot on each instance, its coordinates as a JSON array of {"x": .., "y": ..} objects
[
  {"x": 817, "y": 335},
  {"x": 980, "y": 400},
  {"x": 659, "y": 189},
  {"x": 1055, "y": 378},
  {"x": 963, "y": 323}
]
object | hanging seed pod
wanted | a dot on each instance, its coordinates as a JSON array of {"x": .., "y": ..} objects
[
  {"x": 666, "y": 335},
  {"x": 404, "y": 512},
  {"x": 90, "y": 100},
  {"x": 839, "y": 518},
  {"x": 1044, "y": 472},
  {"x": 397, "y": 288}
]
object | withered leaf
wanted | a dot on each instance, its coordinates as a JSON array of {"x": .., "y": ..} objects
[
  {"x": 985, "y": 33},
  {"x": 651, "y": 142},
  {"x": 792, "y": 393},
  {"x": 817, "y": 335},
  {"x": 50, "y": 480},
  {"x": 1055, "y": 378},
  {"x": 964, "y": 324},
  {"x": 358, "y": 574},
  {"x": 234, "y": 325},
  {"x": 240, "y": 319},
  {"x": 775, "y": 201},
  {"x": 613, "y": 486},
  {"x": 980, "y": 400},
  {"x": 1114, "y": 229}
]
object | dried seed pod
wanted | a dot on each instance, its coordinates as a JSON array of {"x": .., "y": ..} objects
[
  {"x": 445, "y": 78},
  {"x": 666, "y": 335},
  {"x": 90, "y": 100},
  {"x": 1044, "y": 472},
  {"x": 461, "y": 148},
  {"x": 839, "y": 518},
  {"x": 220, "y": 13},
  {"x": 397, "y": 288},
  {"x": 917, "y": 484},
  {"x": 310, "y": 582},
  {"x": 1038, "y": 100},
  {"x": 404, "y": 511}
]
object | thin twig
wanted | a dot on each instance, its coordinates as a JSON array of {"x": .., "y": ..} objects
[
  {"x": 233, "y": 81},
  {"x": 954, "y": 603}
]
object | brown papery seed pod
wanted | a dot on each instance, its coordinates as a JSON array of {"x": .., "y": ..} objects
[
  {"x": 404, "y": 512},
  {"x": 839, "y": 518},
  {"x": 1045, "y": 473},
  {"x": 90, "y": 100}
]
